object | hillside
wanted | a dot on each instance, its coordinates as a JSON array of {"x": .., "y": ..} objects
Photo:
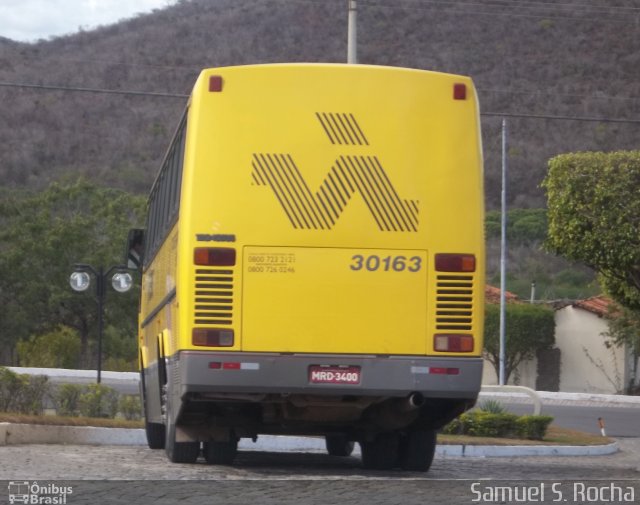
[{"x": 559, "y": 58}]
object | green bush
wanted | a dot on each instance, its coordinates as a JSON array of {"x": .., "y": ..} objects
[
  {"x": 533, "y": 427},
  {"x": 67, "y": 400},
  {"x": 23, "y": 394},
  {"x": 130, "y": 407},
  {"x": 493, "y": 406},
  {"x": 486, "y": 424},
  {"x": 479, "y": 423},
  {"x": 99, "y": 401},
  {"x": 10, "y": 387},
  {"x": 35, "y": 390}
]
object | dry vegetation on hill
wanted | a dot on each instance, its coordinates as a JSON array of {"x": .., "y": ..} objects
[{"x": 562, "y": 58}]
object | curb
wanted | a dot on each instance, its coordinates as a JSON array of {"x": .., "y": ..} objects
[
  {"x": 506, "y": 451},
  {"x": 17, "y": 434}
]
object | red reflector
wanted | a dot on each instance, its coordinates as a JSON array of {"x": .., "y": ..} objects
[
  {"x": 215, "y": 365},
  {"x": 214, "y": 256},
  {"x": 215, "y": 83},
  {"x": 455, "y": 263},
  {"x": 453, "y": 343},
  {"x": 231, "y": 366},
  {"x": 444, "y": 371},
  {"x": 459, "y": 91},
  {"x": 210, "y": 337}
]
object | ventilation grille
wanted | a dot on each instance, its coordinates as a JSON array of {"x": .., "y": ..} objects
[
  {"x": 175, "y": 371},
  {"x": 454, "y": 302},
  {"x": 214, "y": 297}
]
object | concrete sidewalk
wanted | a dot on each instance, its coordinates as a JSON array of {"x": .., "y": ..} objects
[
  {"x": 15, "y": 434},
  {"x": 559, "y": 398}
]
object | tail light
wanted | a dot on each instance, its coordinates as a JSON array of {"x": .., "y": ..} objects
[
  {"x": 459, "y": 91},
  {"x": 455, "y": 263},
  {"x": 215, "y": 83},
  {"x": 210, "y": 337},
  {"x": 453, "y": 343},
  {"x": 214, "y": 256}
]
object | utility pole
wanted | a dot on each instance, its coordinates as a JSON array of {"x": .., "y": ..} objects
[
  {"x": 503, "y": 255},
  {"x": 352, "y": 34}
]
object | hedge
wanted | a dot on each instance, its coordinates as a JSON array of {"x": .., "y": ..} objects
[{"x": 504, "y": 425}]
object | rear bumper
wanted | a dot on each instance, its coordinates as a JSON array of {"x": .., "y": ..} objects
[{"x": 264, "y": 373}]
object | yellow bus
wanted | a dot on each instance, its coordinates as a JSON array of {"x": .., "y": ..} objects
[{"x": 314, "y": 263}]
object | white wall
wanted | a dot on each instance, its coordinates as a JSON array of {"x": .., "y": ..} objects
[
  {"x": 586, "y": 364},
  {"x": 524, "y": 375}
]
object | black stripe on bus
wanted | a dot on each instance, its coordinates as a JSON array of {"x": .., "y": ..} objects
[{"x": 164, "y": 302}]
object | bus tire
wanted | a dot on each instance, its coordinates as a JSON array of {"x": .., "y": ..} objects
[
  {"x": 180, "y": 452},
  {"x": 339, "y": 445},
  {"x": 381, "y": 453},
  {"x": 155, "y": 435},
  {"x": 220, "y": 453},
  {"x": 154, "y": 431},
  {"x": 417, "y": 448}
]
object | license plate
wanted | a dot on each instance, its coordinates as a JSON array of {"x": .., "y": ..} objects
[{"x": 320, "y": 374}]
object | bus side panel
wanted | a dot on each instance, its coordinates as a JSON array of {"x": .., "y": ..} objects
[{"x": 159, "y": 323}]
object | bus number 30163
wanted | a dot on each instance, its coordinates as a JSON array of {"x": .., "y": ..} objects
[{"x": 374, "y": 263}]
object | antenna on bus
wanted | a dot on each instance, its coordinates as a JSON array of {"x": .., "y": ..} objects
[{"x": 352, "y": 34}]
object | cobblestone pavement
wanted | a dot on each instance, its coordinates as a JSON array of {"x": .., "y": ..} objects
[{"x": 117, "y": 474}]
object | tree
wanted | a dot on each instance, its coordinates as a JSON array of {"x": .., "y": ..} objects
[
  {"x": 529, "y": 328},
  {"x": 594, "y": 217},
  {"x": 41, "y": 236},
  {"x": 624, "y": 330},
  {"x": 59, "y": 348},
  {"x": 524, "y": 226}
]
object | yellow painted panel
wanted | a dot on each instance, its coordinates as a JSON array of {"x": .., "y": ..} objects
[
  {"x": 371, "y": 301},
  {"x": 326, "y": 162}
]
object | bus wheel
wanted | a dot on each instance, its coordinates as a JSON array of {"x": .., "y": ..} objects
[
  {"x": 155, "y": 435},
  {"x": 417, "y": 449},
  {"x": 220, "y": 453},
  {"x": 339, "y": 445},
  {"x": 179, "y": 452},
  {"x": 154, "y": 431},
  {"x": 381, "y": 453}
]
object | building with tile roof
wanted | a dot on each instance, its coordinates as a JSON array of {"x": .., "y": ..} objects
[{"x": 581, "y": 360}]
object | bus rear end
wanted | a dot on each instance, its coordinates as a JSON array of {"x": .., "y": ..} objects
[{"x": 330, "y": 260}]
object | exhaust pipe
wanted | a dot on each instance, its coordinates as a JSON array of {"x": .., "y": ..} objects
[
  {"x": 395, "y": 413},
  {"x": 412, "y": 402},
  {"x": 416, "y": 400}
]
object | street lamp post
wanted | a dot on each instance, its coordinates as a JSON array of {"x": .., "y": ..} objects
[{"x": 80, "y": 281}]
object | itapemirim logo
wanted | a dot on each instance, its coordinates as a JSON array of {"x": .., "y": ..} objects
[
  {"x": 38, "y": 494},
  {"x": 349, "y": 174}
]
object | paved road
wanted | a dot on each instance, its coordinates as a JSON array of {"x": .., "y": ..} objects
[
  {"x": 103, "y": 475},
  {"x": 619, "y": 421}
]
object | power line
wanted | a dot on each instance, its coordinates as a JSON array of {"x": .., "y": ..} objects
[
  {"x": 465, "y": 8},
  {"x": 177, "y": 95},
  {"x": 92, "y": 90},
  {"x": 554, "y": 93},
  {"x": 562, "y": 118}
]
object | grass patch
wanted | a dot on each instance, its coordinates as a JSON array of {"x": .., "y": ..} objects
[
  {"x": 6, "y": 417},
  {"x": 555, "y": 434}
]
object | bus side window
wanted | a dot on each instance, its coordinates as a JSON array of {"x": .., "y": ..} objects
[{"x": 135, "y": 247}]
